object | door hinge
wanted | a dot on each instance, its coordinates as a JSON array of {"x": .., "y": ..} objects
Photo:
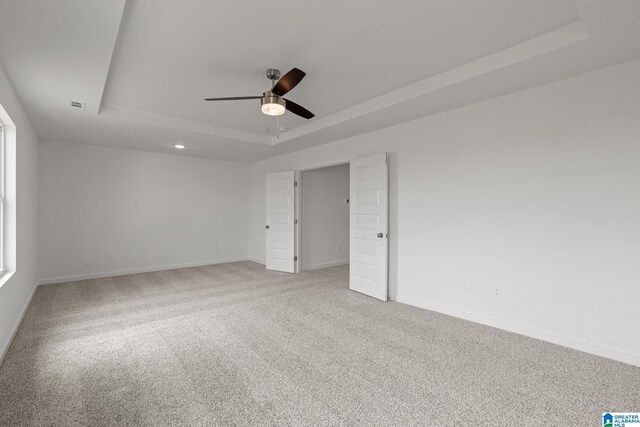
[
  {"x": 295, "y": 258},
  {"x": 295, "y": 183},
  {"x": 295, "y": 221}
]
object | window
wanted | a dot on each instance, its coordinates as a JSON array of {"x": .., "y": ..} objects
[
  {"x": 8, "y": 214},
  {"x": 2, "y": 196}
]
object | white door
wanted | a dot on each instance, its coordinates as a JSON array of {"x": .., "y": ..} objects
[
  {"x": 280, "y": 222},
  {"x": 369, "y": 212}
]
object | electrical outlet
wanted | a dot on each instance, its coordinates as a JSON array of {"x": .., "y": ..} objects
[
  {"x": 339, "y": 248},
  {"x": 468, "y": 287},
  {"x": 217, "y": 247},
  {"x": 497, "y": 291}
]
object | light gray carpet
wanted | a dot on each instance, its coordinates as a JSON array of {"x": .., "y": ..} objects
[{"x": 234, "y": 344}]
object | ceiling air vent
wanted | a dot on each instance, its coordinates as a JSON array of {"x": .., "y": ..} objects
[{"x": 77, "y": 104}]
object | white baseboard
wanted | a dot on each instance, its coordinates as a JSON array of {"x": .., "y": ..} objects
[
  {"x": 632, "y": 359},
  {"x": 259, "y": 261},
  {"x": 325, "y": 265},
  {"x": 78, "y": 277},
  {"x": 16, "y": 326}
]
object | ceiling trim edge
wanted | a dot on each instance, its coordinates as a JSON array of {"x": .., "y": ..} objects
[
  {"x": 564, "y": 36},
  {"x": 181, "y": 124},
  {"x": 545, "y": 43},
  {"x": 98, "y": 105}
]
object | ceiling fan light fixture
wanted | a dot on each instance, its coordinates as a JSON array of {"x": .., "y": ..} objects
[{"x": 272, "y": 105}]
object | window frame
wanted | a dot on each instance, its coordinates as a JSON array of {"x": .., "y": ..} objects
[
  {"x": 3, "y": 200},
  {"x": 8, "y": 178}
]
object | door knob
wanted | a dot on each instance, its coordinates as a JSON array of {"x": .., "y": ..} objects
[
  {"x": 266, "y": 226},
  {"x": 380, "y": 235}
]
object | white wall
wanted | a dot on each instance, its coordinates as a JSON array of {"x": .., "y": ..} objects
[
  {"x": 324, "y": 217},
  {"x": 536, "y": 193},
  {"x": 15, "y": 293},
  {"x": 106, "y": 211}
]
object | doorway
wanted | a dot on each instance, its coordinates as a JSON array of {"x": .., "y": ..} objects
[
  {"x": 367, "y": 247},
  {"x": 324, "y": 217}
]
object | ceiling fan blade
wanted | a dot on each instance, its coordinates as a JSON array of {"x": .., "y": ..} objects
[
  {"x": 233, "y": 98},
  {"x": 298, "y": 109},
  {"x": 288, "y": 81}
]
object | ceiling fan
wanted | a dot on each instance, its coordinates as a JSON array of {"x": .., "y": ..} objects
[{"x": 272, "y": 102}]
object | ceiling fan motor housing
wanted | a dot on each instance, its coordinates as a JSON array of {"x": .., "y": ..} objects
[{"x": 273, "y": 73}]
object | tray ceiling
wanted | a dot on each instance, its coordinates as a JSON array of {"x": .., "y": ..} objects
[{"x": 143, "y": 66}]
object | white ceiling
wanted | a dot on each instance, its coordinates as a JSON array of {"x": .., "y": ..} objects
[{"x": 143, "y": 67}]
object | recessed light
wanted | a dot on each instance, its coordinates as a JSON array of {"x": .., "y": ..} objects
[{"x": 179, "y": 147}]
